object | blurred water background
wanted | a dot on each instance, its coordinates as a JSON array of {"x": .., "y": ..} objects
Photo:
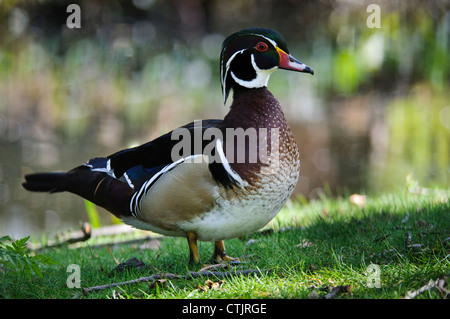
[{"x": 376, "y": 110}]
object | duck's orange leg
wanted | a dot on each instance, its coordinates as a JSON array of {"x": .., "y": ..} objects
[
  {"x": 220, "y": 254},
  {"x": 194, "y": 256}
]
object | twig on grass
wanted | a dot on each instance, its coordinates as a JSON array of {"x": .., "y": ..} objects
[
  {"x": 222, "y": 265},
  {"x": 86, "y": 233},
  {"x": 438, "y": 284},
  {"x": 189, "y": 275}
]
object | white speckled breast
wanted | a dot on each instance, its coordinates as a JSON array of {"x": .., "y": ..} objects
[{"x": 254, "y": 207}]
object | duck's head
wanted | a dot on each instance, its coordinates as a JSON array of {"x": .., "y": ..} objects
[{"x": 249, "y": 56}]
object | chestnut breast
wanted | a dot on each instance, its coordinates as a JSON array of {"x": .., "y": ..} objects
[{"x": 276, "y": 168}]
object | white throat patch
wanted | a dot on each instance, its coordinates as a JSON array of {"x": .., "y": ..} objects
[{"x": 262, "y": 77}]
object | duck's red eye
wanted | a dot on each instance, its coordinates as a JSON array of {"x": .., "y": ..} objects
[{"x": 261, "y": 46}]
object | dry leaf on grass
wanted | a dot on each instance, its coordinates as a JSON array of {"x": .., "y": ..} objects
[
  {"x": 209, "y": 284},
  {"x": 358, "y": 200},
  {"x": 409, "y": 244},
  {"x": 305, "y": 243}
]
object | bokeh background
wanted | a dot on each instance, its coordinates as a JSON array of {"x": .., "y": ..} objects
[{"x": 376, "y": 110}]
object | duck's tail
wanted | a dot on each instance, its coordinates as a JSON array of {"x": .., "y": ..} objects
[{"x": 97, "y": 187}]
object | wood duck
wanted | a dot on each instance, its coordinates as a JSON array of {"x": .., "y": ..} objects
[{"x": 219, "y": 188}]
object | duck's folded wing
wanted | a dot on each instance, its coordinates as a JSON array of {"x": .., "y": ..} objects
[
  {"x": 139, "y": 165},
  {"x": 154, "y": 155}
]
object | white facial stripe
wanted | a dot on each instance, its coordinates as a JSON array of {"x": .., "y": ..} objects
[
  {"x": 226, "y": 164},
  {"x": 232, "y": 57},
  {"x": 270, "y": 40},
  {"x": 224, "y": 76},
  {"x": 262, "y": 77}
]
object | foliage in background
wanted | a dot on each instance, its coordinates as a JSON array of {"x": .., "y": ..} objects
[
  {"x": 129, "y": 74},
  {"x": 16, "y": 257},
  {"x": 419, "y": 129}
]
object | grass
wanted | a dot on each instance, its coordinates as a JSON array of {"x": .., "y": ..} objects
[{"x": 311, "y": 247}]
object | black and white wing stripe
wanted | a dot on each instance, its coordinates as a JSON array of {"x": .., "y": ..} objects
[
  {"x": 137, "y": 198},
  {"x": 221, "y": 171},
  {"x": 101, "y": 164}
]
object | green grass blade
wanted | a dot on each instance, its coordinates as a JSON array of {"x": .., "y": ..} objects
[{"x": 92, "y": 212}]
